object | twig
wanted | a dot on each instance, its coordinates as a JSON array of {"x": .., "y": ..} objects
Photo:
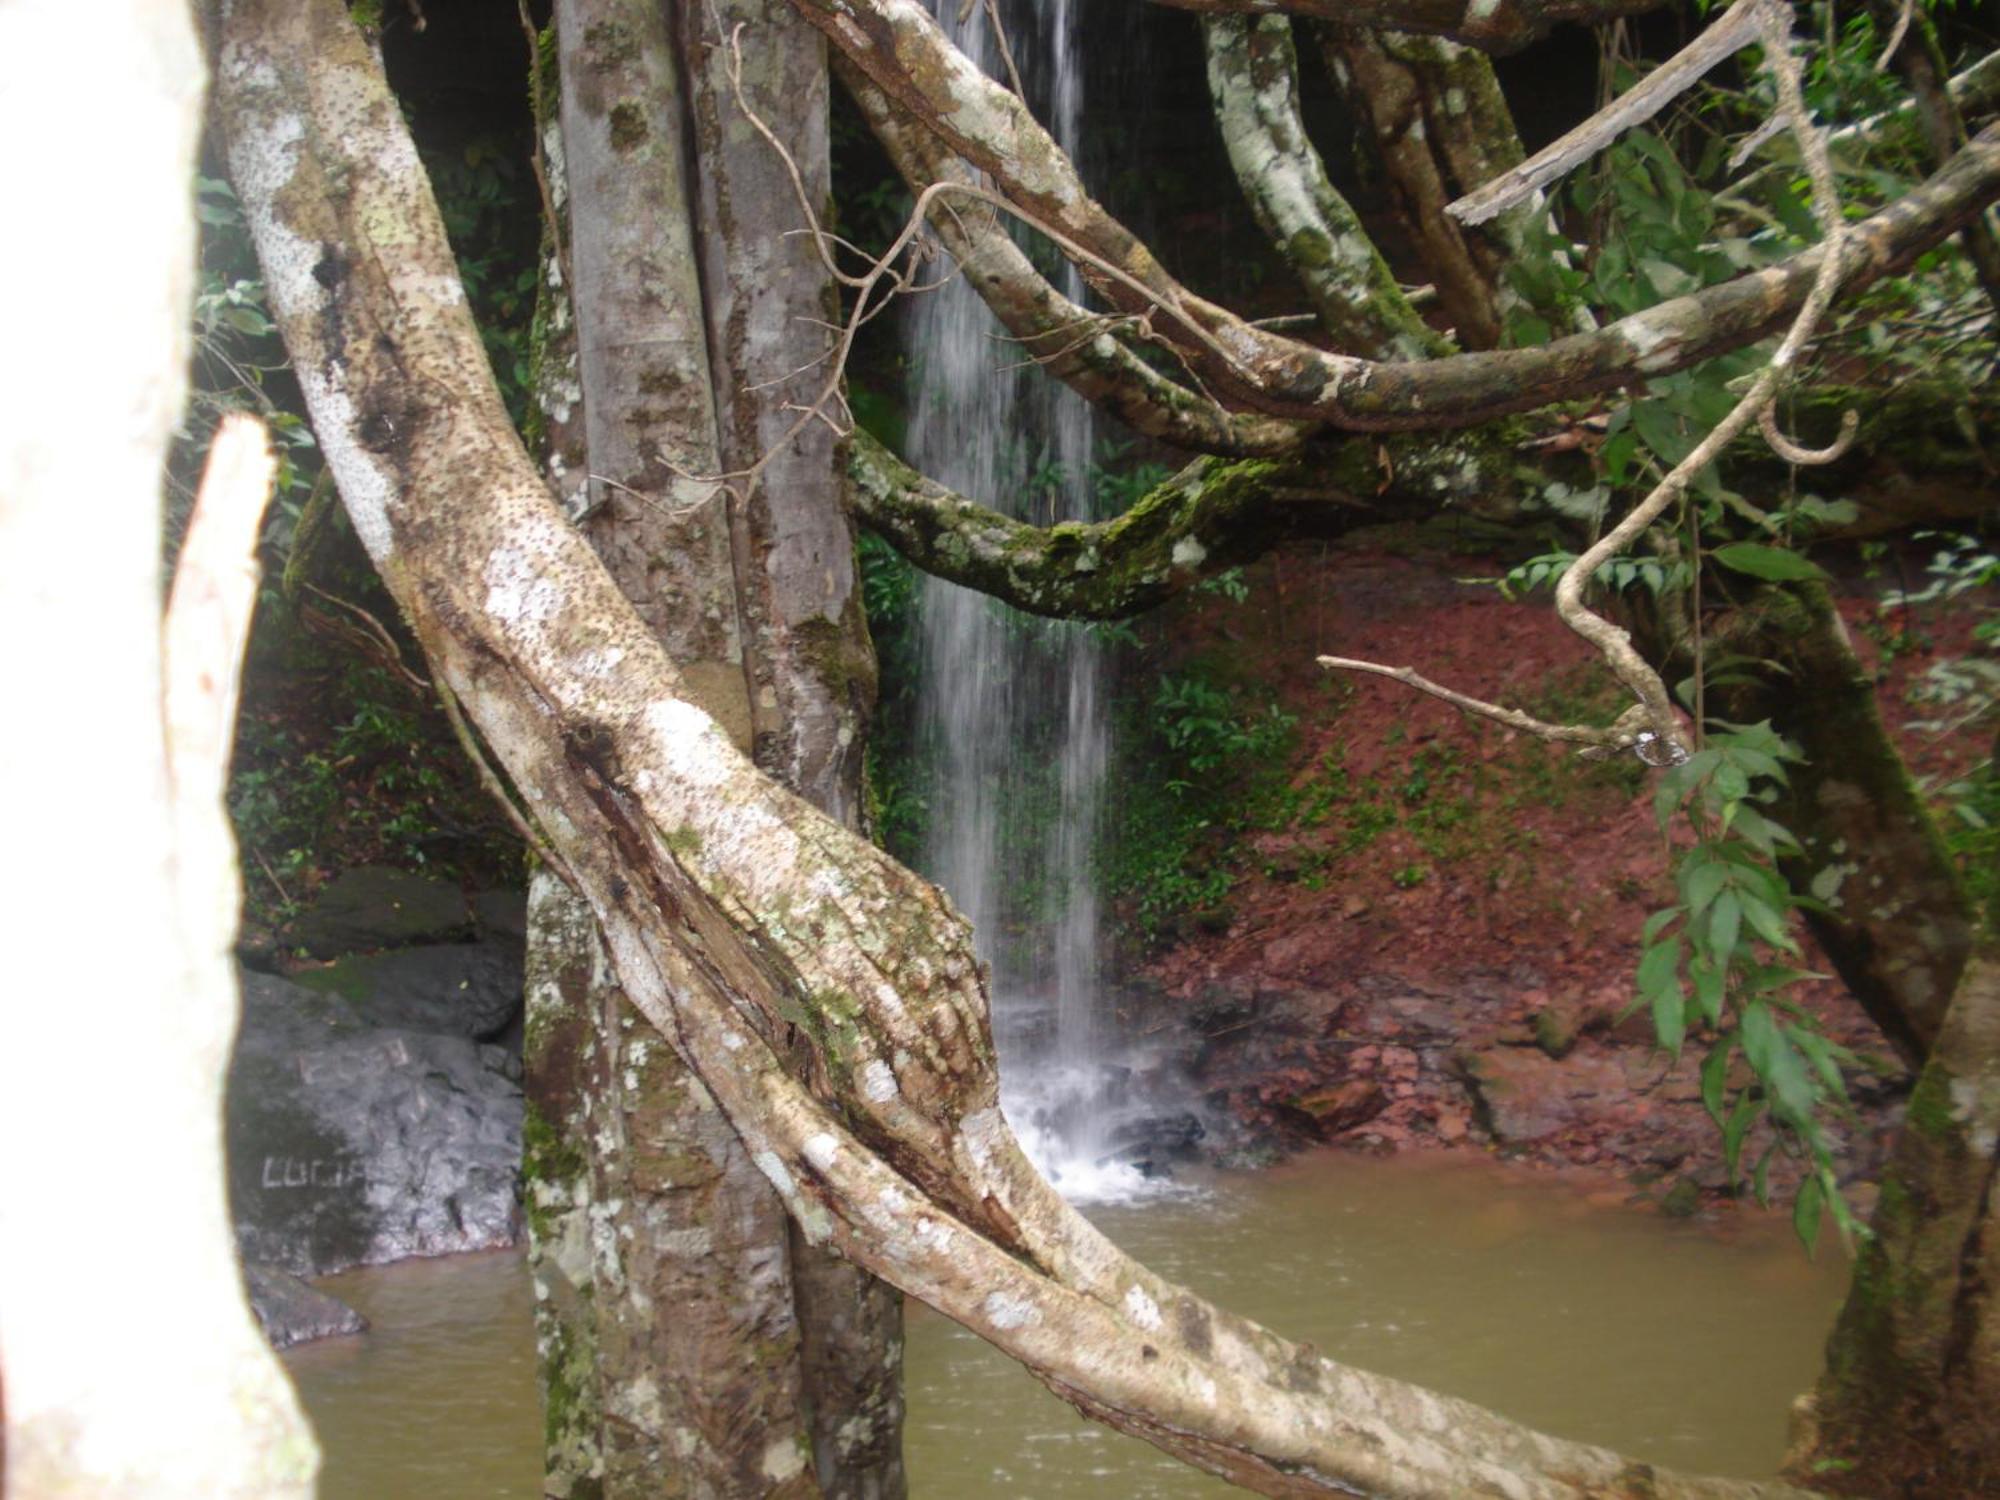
[
  {"x": 1735, "y": 29},
  {"x": 1007, "y": 51},
  {"x": 1575, "y": 734},
  {"x": 376, "y": 631},
  {"x": 272, "y": 876},
  {"x": 1792, "y": 453},
  {"x": 1896, "y": 34}
]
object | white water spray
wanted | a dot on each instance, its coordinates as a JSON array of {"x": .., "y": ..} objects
[{"x": 1012, "y": 716}]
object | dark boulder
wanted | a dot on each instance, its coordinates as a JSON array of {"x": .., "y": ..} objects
[
  {"x": 450, "y": 989},
  {"x": 354, "y": 1144},
  {"x": 290, "y": 1312},
  {"x": 1153, "y": 1143},
  {"x": 373, "y": 906}
]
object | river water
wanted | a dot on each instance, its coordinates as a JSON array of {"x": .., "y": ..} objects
[{"x": 1679, "y": 1344}]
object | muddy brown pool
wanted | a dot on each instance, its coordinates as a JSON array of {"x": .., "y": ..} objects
[{"x": 1678, "y": 1343}]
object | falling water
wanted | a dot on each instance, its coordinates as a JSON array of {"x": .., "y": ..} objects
[{"x": 1013, "y": 712}]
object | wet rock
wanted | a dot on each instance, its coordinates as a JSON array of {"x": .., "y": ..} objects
[
  {"x": 1682, "y": 1200},
  {"x": 1154, "y": 1143},
  {"x": 373, "y": 906},
  {"x": 1524, "y": 1096},
  {"x": 451, "y": 989},
  {"x": 1333, "y": 1111},
  {"x": 291, "y": 1312},
  {"x": 354, "y": 1144},
  {"x": 502, "y": 915}
]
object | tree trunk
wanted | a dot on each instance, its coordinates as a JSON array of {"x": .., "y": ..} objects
[
  {"x": 670, "y": 1351},
  {"x": 1899, "y": 925},
  {"x": 770, "y": 303},
  {"x": 126, "y": 1374},
  {"x": 1907, "y": 1403}
]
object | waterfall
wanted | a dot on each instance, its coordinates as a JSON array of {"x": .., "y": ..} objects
[{"x": 1012, "y": 717}]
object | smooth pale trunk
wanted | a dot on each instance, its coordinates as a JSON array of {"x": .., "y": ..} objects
[{"x": 130, "y": 1361}]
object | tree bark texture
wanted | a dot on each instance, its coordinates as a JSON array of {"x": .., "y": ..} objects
[
  {"x": 111, "y": 1076},
  {"x": 1254, "y": 86},
  {"x": 1906, "y": 1405},
  {"x": 829, "y": 999},
  {"x": 669, "y": 1344},
  {"x": 770, "y": 303},
  {"x": 1440, "y": 127}
]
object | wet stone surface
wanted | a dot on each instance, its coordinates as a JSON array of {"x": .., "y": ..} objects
[{"x": 353, "y": 1144}]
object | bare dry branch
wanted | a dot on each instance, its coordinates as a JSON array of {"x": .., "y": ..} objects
[
  {"x": 208, "y": 614},
  {"x": 1732, "y": 31}
]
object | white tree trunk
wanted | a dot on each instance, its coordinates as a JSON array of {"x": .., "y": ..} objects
[{"x": 131, "y": 1363}]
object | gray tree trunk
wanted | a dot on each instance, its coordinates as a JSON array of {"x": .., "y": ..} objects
[
  {"x": 770, "y": 301},
  {"x": 1907, "y": 1403},
  {"x": 669, "y": 1344}
]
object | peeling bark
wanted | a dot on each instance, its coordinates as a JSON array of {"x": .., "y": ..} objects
[
  {"x": 1906, "y": 1405},
  {"x": 1253, "y": 84},
  {"x": 901, "y": 49},
  {"x": 775, "y": 949}
]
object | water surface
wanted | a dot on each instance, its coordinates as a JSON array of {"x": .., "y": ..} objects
[{"x": 1672, "y": 1342}]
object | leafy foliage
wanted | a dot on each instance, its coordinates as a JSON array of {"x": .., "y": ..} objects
[{"x": 1719, "y": 962}]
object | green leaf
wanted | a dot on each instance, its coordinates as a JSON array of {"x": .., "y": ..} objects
[
  {"x": 1657, "y": 922},
  {"x": 1806, "y": 1212},
  {"x": 1659, "y": 426},
  {"x": 1702, "y": 879},
  {"x": 1659, "y": 968},
  {"x": 1826, "y": 1057},
  {"x": 1707, "y": 989},
  {"x": 1725, "y": 921},
  {"x": 1715, "y": 1076},
  {"x": 1670, "y": 1018},
  {"x": 1760, "y": 1037},
  {"x": 1792, "y": 1083},
  {"x": 1773, "y": 564},
  {"x": 1730, "y": 783},
  {"x": 1667, "y": 801},
  {"x": 1767, "y": 924},
  {"x": 1760, "y": 1178}
]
